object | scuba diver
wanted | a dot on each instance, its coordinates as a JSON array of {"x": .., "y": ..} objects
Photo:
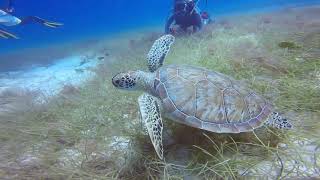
[
  {"x": 185, "y": 14},
  {"x": 7, "y": 19}
]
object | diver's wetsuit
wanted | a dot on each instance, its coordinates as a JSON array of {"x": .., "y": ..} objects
[{"x": 185, "y": 15}]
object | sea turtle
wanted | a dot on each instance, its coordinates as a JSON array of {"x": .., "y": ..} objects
[{"x": 195, "y": 97}]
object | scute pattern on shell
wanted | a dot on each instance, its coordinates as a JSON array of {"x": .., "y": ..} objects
[{"x": 218, "y": 102}]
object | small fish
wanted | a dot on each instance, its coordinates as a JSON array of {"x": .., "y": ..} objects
[{"x": 101, "y": 58}]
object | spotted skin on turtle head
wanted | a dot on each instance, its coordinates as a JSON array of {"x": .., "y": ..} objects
[{"x": 124, "y": 80}]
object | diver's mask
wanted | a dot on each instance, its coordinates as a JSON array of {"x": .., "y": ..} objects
[
  {"x": 180, "y": 6},
  {"x": 184, "y": 6}
]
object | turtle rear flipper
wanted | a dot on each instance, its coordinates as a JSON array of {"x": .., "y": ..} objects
[
  {"x": 276, "y": 121},
  {"x": 151, "y": 116},
  {"x": 159, "y": 51}
]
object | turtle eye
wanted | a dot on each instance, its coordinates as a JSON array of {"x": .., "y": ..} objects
[{"x": 117, "y": 80}]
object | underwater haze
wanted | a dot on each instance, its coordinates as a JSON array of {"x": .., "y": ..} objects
[
  {"x": 68, "y": 110},
  {"x": 85, "y": 20},
  {"x": 91, "y": 18}
]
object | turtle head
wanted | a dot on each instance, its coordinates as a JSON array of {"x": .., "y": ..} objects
[{"x": 126, "y": 80}]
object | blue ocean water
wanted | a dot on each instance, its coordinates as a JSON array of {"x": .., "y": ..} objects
[{"x": 83, "y": 18}]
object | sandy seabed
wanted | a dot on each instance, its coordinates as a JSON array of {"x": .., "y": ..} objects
[{"x": 51, "y": 79}]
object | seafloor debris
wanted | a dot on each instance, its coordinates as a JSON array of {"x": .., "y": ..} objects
[
  {"x": 288, "y": 45},
  {"x": 270, "y": 64}
]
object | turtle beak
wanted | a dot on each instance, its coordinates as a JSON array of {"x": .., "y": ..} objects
[
  {"x": 125, "y": 81},
  {"x": 115, "y": 80}
]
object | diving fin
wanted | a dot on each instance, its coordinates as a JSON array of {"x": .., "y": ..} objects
[{"x": 6, "y": 35}]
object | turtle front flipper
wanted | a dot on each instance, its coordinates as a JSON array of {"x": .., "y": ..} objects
[
  {"x": 159, "y": 51},
  {"x": 276, "y": 121},
  {"x": 151, "y": 116}
]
